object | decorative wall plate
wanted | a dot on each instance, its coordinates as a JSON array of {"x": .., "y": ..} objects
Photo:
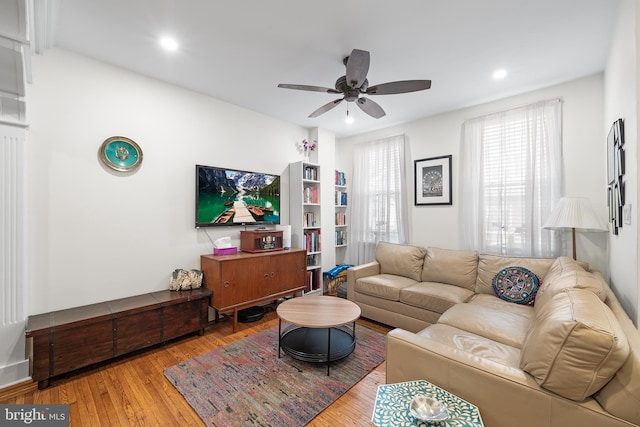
[{"x": 120, "y": 153}]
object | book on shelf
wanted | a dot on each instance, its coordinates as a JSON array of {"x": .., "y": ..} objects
[
  {"x": 341, "y": 237},
  {"x": 341, "y": 198},
  {"x": 340, "y": 178},
  {"x": 314, "y": 280},
  {"x": 341, "y": 218},
  {"x": 312, "y": 240},
  {"x": 310, "y": 194},
  {"x": 309, "y": 219},
  {"x": 310, "y": 173}
]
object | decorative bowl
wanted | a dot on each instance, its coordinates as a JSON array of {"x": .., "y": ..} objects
[{"x": 426, "y": 408}]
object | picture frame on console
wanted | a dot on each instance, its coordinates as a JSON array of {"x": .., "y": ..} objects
[{"x": 433, "y": 181}]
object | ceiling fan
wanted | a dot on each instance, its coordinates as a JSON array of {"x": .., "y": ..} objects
[{"x": 355, "y": 83}]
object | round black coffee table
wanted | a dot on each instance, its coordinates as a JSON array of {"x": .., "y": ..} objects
[{"x": 322, "y": 328}]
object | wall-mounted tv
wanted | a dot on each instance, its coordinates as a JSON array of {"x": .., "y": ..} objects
[{"x": 235, "y": 197}]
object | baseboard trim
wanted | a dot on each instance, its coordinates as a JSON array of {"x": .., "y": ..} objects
[
  {"x": 14, "y": 390},
  {"x": 13, "y": 374}
]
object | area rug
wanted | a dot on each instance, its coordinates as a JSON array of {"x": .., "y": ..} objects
[{"x": 246, "y": 384}]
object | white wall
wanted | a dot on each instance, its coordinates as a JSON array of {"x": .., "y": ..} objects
[
  {"x": 95, "y": 234},
  {"x": 583, "y": 149},
  {"x": 621, "y": 101}
]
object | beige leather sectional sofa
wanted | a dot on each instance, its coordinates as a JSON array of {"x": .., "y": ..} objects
[{"x": 570, "y": 359}]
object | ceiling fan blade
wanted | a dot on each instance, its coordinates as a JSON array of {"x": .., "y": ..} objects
[
  {"x": 326, "y": 107},
  {"x": 399, "y": 87},
  {"x": 371, "y": 108},
  {"x": 357, "y": 68},
  {"x": 309, "y": 88}
]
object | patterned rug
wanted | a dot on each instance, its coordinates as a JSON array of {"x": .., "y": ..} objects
[{"x": 245, "y": 384}]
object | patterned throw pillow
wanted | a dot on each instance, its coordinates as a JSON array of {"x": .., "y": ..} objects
[{"x": 516, "y": 284}]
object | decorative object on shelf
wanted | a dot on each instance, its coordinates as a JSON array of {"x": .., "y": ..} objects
[
  {"x": 286, "y": 235},
  {"x": 305, "y": 148},
  {"x": 571, "y": 213},
  {"x": 121, "y": 153},
  {"x": 261, "y": 240},
  {"x": 433, "y": 181},
  {"x": 223, "y": 246},
  {"x": 183, "y": 279},
  {"x": 615, "y": 174}
]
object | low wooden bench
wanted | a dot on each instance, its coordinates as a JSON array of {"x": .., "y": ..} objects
[{"x": 63, "y": 341}]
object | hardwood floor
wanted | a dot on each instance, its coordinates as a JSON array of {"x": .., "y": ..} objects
[{"x": 133, "y": 391}]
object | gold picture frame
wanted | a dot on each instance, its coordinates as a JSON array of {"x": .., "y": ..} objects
[{"x": 121, "y": 153}]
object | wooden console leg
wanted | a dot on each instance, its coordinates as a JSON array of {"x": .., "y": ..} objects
[
  {"x": 235, "y": 319},
  {"x": 43, "y": 384}
]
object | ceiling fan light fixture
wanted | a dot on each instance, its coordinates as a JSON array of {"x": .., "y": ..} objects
[
  {"x": 168, "y": 43},
  {"x": 354, "y": 83},
  {"x": 499, "y": 74},
  {"x": 349, "y": 119}
]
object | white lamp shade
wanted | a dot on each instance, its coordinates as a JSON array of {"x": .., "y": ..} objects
[{"x": 574, "y": 212}]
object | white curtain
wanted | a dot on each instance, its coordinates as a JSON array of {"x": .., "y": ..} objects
[
  {"x": 379, "y": 202},
  {"x": 511, "y": 166}
]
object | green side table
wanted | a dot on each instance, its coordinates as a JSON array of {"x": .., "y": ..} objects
[{"x": 393, "y": 400}]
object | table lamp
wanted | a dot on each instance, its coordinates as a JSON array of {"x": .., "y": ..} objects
[{"x": 573, "y": 213}]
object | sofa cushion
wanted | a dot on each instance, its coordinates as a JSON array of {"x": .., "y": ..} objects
[
  {"x": 506, "y": 327},
  {"x": 437, "y": 297},
  {"x": 490, "y": 265},
  {"x": 473, "y": 344},
  {"x": 385, "y": 286},
  {"x": 401, "y": 260},
  {"x": 575, "y": 345},
  {"x": 516, "y": 284},
  {"x": 567, "y": 273},
  {"x": 392, "y": 311},
  {"x": 454, "y": 267},
  {"x": 492, "y": 301}
]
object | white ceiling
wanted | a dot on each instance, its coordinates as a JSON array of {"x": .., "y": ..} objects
[{"x": 238, "y": 51}]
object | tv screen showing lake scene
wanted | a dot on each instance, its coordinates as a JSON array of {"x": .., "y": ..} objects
[{"x": 236, "y": 197}]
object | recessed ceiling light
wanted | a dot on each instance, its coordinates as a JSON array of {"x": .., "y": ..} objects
[
  {"x": 499, "y": 74},
  {"x": 169, "y": 43}
]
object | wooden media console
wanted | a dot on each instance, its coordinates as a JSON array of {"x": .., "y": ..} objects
[{"x": 246, "y": 279}]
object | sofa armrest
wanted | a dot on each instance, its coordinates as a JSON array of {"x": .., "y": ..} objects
[
  {"x": 486, "y": 384},
  {"x": 362, "y": 270}
]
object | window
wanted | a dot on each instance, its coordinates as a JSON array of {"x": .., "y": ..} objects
[
  {"x": 511, "y": 178},
  {"x": 378, "y": 198}
]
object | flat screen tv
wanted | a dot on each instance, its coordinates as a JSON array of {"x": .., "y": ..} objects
[{"x": 227, "y": 197}]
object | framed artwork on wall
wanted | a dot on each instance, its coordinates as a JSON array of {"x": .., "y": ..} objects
[
  {"x": 615, "y": 174},
  {"x": 433, "y": 184},
  {"x": 121, "y": 153}
]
